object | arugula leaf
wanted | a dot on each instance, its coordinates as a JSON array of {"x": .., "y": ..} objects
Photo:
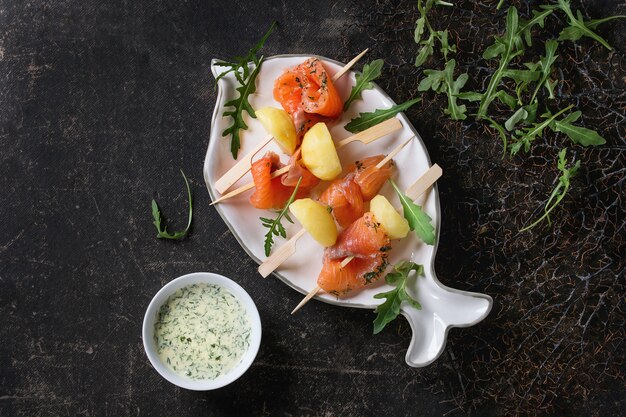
[
  {"x": 364, "y": 80},
  {"x": 156, "y": 214},
  {"x": 390, "y": 309},
  {"x": 520, "y": 76},
  {"x": 425, "y": 51},
  {"x": 538, "y": 19},
  {"x": 428, "y": 45},
  {"x": 443, "y": 82},
  {"x": 578, "y": 134},
  {"x": 578, "y": 27},
  {"x": 446, "y": 48},
  {"x": 545, "y": 64},
  {"x": 559, "y": 191},
  {"x": 239, "y": 105},
  {"x": 517, "y": 117},
  {"x": 367, "y": 120},
  {"x": 275, "y": 227},
  {"x": 508, "y": 47},
  {"x": 419, "y": 221},
  {"x": 240, "y": 67},
  {"x": 525, "y": 136}
]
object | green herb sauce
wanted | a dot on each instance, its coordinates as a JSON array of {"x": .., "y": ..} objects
[{"x": 202, "y": 331}]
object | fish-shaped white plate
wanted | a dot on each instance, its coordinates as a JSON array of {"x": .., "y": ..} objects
[{"x": 442, "y": 307}]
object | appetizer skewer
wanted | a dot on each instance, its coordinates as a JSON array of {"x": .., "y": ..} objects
[
  {"x": 289, "y": 248},
  {"x": 413, "y": 192},
  {"x": 241, "y": 167},
  {"x": 365, "y": 137}
]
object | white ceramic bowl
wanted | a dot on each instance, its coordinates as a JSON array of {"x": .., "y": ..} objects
[{"x": 152, "y": 313}]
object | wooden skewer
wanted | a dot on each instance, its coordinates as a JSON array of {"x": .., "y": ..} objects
[
  {"x": 366, "y": 136},
  {"x": 421, "y": 185},
  {"x": 289, "y": 248},
  {"x": 240, "y": 168},
  {"x": 373, "y": 133},
  {"x": 249, "y": 186},
  {"x": 349, "y": 65},
  {"x": 307, "y": 298},
  {"x": 393, "y": 153},
  {"x": 280, "y": 255}
]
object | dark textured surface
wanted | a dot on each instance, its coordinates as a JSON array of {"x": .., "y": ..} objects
[{"x": 101, "y": 104}]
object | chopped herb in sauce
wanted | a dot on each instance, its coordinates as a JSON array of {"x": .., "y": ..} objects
[{"x": 202, "y": 331}]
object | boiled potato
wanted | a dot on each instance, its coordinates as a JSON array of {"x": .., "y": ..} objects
[
  {"x": 319, "y": 154},
  {"x": 278, "y": 124},
  {"x": 316, "y": 220},
  {"x": 395, "y": 225}
]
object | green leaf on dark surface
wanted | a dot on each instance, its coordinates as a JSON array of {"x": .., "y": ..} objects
[
  {"x": 545, "y": 64},
  {"x": 364, "y": 80},
  {"x": 367, "y": 120},
  {"x": 419, "y": 29},
  {"x": 559, "y": 191},
  {"x": 521, "y": 75},
  {"x": 419, "y": 221},
  {"x": 505, "y": 98},
  {"x": 421, "y": 24},
  {"x": 390, "y": 309},
  {"x": 517, "y": 117},
  {"x": 274, "y": 226},
  {"x": 508, "y": 47},
  {"x": 240, "y": 67},
  {"x": 446, "y": 48},
  {"x": 239, "y": 105},
  {"x": 425, "y": 51},
  {"x": 578, "y": 27},
  {"x": 156, "y": 215},
  {"x": 578, "y": 134},
  {"x": 442, "y": 81}
]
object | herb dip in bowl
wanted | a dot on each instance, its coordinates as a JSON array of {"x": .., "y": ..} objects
[{"x": 201, "y": 331}]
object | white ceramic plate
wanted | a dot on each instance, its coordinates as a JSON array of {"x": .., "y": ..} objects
[{"x": 442, "y": 307}]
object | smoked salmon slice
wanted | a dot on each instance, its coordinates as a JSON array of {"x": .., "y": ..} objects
[
  {"x": 297, "y": 170},
  {"x": 369, "y": 178},
  {"x": 269, "y": 192},
  {"x": 288, "y": 92},
  {"x": 364, "y": 238},
  {"x": 344, "y": 198},
  {"x": 319, "y": 94},
  {"x": 308, "y": 94},
  {"x": 367, "y": 242}
]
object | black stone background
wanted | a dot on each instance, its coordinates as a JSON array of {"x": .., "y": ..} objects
[{"x": 101, "y": 104}]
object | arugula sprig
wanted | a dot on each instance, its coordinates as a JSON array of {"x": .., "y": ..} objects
[
  {"x": 364, "y": 80},
  {"x": 578, "y": 134},
  {"x": 545, "y": 67},
  {"x": 156, "y": 214},
  {"x": 559, "y": 191},
  {"x": 275, "y": 226},
  {"x": 522, "y": 124},
  {"x": 578, "y": 27},
  {"x": 443, "y": 82},
  {"x": 428, "y": 44},
  {"x": 418, "y": 220},
  {"x": 508, "y": 47},
  {"x": 240, "y": 65},
  {"x": 241, "y": 68},
  {"x": 366, "y": 120},
  {"x": 390, "y": 309}
]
